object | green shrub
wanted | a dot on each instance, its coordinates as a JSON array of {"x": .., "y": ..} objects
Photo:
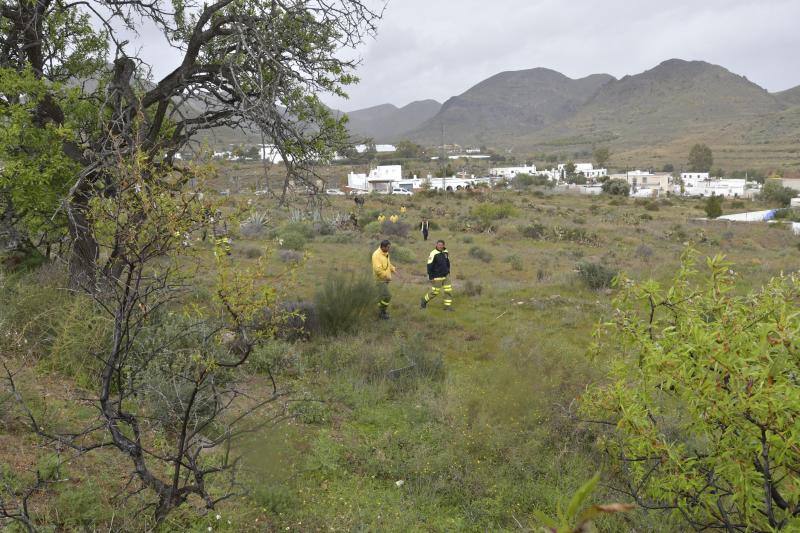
[
  {"x": 324, "y": 228},
  {"x": 773, "y": 192},
  {"x": 293, "y": 241},
  {"x": 304, "y": 229},
  {"x": 645, "y": 216},
  {"x": 792, "y": 215},
  {"x": 652, "y": 206},
  {"x": 713, "y": 206},
  {"x": 595, "y": 275},
  {"x": 479, "y": 253},
  {"x": 616, "y": 187},
  {"x": 487, "y": 213},
  {"x": 395, "y": 229},
  {"x": 272, "y": 356},
  {"x": 576, "y": 235},
  {"x": 252, "y": 252},
  {"x": 344, "y": 301},
  {"x": 702, "y": 378},
  {"x": 533, "y": 231},
  {"x": 515, "y": 261},
  {"x": 402, "y": 255},
  {"x": 372, "y": 228}
]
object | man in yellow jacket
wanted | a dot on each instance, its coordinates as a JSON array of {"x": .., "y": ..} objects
[{"x": 382, "y": 268}]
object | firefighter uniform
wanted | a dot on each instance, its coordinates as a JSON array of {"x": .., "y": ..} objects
[
  {"x": 439, "y": 275},
  {"x": 382, "y": 268}
]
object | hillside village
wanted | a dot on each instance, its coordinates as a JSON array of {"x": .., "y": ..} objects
[{"x": 584, "y": 178}]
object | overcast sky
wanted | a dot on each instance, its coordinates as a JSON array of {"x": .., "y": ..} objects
[{"x": 440, "y": 48}]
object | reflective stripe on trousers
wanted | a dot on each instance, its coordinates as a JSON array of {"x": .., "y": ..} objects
[
  {"x": 384, "y": 296},
  {"x": 440, "y": 285}
]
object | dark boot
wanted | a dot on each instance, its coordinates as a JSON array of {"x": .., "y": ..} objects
[
  {"x": 423, "y": 304},
  {"x": 383, "y": 315}
]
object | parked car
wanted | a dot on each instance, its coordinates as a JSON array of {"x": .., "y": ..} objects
[
  {"x": 358, "y": 192},
  {"x": 334, "y": 192},
  {"x": 398, "y": 190}
]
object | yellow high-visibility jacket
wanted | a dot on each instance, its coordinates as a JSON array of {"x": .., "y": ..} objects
[{"x": 381, "y": 265}]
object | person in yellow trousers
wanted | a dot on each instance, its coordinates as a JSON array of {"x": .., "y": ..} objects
[
  {"x": 382, "y": 268},
  {"x": 439, "y": 275}
]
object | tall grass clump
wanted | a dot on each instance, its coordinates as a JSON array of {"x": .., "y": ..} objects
[{"x": 343, "y": 302}]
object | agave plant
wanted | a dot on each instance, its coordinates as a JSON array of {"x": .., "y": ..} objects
[{"x": 255, "y": 223}]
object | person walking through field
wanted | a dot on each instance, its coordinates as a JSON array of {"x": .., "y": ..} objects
[
  {"x": 382, "y": 268},
  {"x": 424, "y": 228},
  {"x": 439, "y": 275}
]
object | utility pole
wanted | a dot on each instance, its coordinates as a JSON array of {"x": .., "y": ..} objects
[{"x": 442, "y": 165}]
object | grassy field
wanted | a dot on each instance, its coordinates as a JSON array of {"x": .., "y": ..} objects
[{"x": 430, "y": 421}]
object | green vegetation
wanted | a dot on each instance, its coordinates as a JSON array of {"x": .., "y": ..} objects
[
  {"x": 700, "y": 158},
  {"x": 616, "y": 187},
  {"x": 776, "y": 194},
  {"x": 431, "y": 420},
  {"x": 703, "y": 386},
  {"x": 713, "y": 206}
]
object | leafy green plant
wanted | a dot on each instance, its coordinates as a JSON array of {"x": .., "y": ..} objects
[
  {"x": 773, "y": 192},
  {"x": 701, "y": 402},
  {"x": 616, "y": 187},
  {"x": 402, "y": 255},
  {"x": 487, "y": 213},
  {"x": 293, "y": 241},
  {"x": 713, "y": 206},
  {"x": 533, "y": 231},
  {"x": 515, "y": 262},
  {"x": 595, "y": 275},
  {"x": 575, "y": 518}
]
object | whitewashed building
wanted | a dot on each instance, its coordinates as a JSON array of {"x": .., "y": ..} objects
[
  {"x": 587, "y": 169},
  {"x": 729, "y": 188},
  {"x": 379, "y": 148},
  {"x": 379, "y": 179},
  {"x": 511, "y": 172},
  {"x": 694, "y": 179}
]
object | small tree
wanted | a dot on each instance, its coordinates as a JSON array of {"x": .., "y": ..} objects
[
  {"x": 601, "y": 157},
  {"x": 700, "y": 158},
  {"x": 577, "y": 179},
  {"x": 409, "y": 150},
  {"x": 616, "y": 187},
  {"x": 700, "y": 414},
  {"x": 775, "y": 193},
  {"x": 165, "y": 367},
  {"x": 713, "y": 206},
  {"x": 569, "y": 169}
]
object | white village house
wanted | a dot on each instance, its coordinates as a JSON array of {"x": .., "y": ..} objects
[
  {"x": 511, "y": 172},
  {"x": 587, "y": 169},
  {"x": 701, "y": 184}
]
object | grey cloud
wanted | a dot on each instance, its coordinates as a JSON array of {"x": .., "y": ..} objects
[
  {"x": 440, "y": 48},
  {"x": 428, "y": 49}
]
